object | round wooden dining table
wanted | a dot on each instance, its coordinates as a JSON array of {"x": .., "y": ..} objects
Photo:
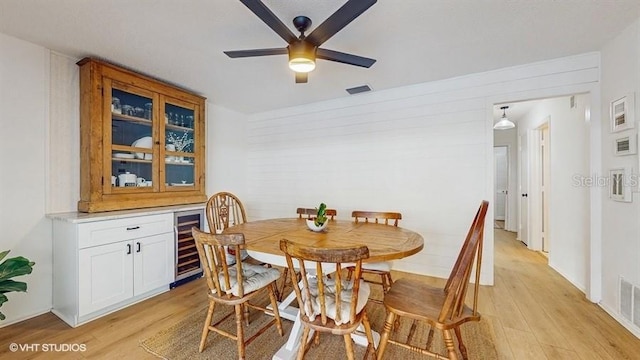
[
  {"x": 262, "y": 241},
  {"x": 385, "y": 242}
]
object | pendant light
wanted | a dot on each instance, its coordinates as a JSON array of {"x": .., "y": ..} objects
[{"x": 504, "y": 123}]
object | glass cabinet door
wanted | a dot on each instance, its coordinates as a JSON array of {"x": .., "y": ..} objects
[
  {"x": 180, "y": 119},
  {"x": 130, "y": 159}
]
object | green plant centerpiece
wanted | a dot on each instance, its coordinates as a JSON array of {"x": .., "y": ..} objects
[
  {"x": 319, "y": 222},
  {"x": 321, "y": 217},
  {"x": 10, "y": 268}
]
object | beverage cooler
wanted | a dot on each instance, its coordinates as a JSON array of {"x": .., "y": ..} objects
[{"x": 188, "y": 265}]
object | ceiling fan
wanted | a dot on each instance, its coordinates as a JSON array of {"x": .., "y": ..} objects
[{"x": 303, "y": 50}]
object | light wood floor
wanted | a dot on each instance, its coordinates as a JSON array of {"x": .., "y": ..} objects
[{"x": 534, "y": 312}]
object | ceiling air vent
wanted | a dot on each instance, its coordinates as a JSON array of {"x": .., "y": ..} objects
[{"x": 358, "y": 89}]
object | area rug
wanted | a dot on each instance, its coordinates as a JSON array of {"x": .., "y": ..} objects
[{"x": 181, "y": 341}]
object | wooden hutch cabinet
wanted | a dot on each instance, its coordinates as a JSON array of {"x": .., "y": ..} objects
[{"x": 142, "y": 141}]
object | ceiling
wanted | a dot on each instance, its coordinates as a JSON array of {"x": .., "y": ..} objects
[{"x": 414, "y": 41}]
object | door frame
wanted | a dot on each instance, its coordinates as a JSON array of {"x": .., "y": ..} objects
[
  {"x": 535, "y": 185},
  {"x": 593, "y": 115},
  {"x": 507, "y": 208}
]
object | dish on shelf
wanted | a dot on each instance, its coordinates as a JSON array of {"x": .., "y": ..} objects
[
  {"x": 123, "y": 155},
  {"x": 143, "y": 142},
  {"x": 181, "y": 184}
]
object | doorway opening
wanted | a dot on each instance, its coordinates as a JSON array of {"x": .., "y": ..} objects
[{"x": 544, "y": 205}]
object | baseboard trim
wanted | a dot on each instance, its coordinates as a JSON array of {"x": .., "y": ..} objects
[
  {"x": 624, "y": 322},
  {"x": 24, "y": 317}
]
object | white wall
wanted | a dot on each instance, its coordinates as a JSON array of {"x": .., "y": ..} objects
[
  {"x": 569, "y": 196},
  {"x": 63, "y": 186},
  {"x": 24, "y": 92},
  {"x": 621, "y": 229},
  {"x": 509, "y": 138},
  {"x": 226, "y": 151},
  {"x": 424, "y": 150}
]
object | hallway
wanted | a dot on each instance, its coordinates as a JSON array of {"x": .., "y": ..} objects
[{"x": 537, "y": 314}]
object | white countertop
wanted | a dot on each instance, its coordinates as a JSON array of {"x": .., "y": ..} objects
[{"x": 80, "y": 217}]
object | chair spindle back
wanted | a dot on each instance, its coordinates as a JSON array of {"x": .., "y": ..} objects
[
  {"x": 458, "y": 281},
  {"x": 309, "y": 212},
  {"x": 211, "y": 249},
  {"x": 327, "y": 261},
  {"x": 376, "y": 217},
  {"x": 224, "y": 210}
]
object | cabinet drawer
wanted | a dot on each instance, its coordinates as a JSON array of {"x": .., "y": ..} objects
[{"x": 110, "y": 231}]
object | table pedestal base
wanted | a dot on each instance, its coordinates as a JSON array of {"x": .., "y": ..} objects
[{"x": 290, "y": 349}]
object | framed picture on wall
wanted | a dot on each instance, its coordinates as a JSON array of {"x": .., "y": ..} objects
[
  {"x": 625, "y": 144},
  {"x": 622, "y": 113},
  {"x": 620, "y": 184}
]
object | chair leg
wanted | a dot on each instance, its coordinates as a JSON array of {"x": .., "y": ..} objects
[
  {"x": 448, "y": 342},
  {"x": 207, "y": 323},
  {"x": 348, "y": 344},
  {"x": 463, "y": 349},
  {"x": 371, "y": 346},
  {"x": 388, "y": 324},
  {"x": 349, "y": 273},
  {"x": 385, "y": 283},
  {"x": 240, "y": 330},
  {"x": 412, "y": 329},
  {"x": 429, "y": 339},
  {"x": 245, "y": 314},
  {"x": 285, "y": 274},
  {"x": 389, "y": 281},
  {"x": 303, "y": 343},
  {"x": 274, "y": 305}
]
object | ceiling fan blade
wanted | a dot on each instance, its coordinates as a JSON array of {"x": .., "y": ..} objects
[
  {"x": 269, "y": 18},
  {"x": 339, "y": 19},
  {"x": 301, "y": 78},
  {"x": 256, "y": 52},
  {"x": 344, "y": 58}
]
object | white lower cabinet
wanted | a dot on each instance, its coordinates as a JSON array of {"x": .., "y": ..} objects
[
  {"x": 106, "y": 277},
  {"x": 153, "y": 263},
  {"x": 102, "y": 266}
]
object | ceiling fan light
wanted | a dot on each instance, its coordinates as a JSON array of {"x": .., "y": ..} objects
[
  {"x": 302, "y": 56},
  {"x": 301, "y": 64}
]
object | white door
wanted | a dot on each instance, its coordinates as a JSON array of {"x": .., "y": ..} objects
[
  {"x": 544, "y": 149},
  {"x": 154, "y": 265},
  {"x": 523, "y": 188},
  {"x": 106, "y": 276},
  {"x": 501, "y": 182}
]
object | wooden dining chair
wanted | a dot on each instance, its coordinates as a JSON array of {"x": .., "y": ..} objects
[
  {"x": 441, "y": 308},
  {"x": 234, "y": 285},
  {"x": 382, "y": 269},
  {"x": 286, "y": 275},
  {"x": 330, "y": 305},
  {"x": 224, "y": 210},
  {"x": 312, "y": 212}
]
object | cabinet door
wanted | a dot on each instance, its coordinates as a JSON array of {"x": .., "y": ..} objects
[
  {"x": 106, "y": 276},
  {"x": 154, "y": 262},
  {"x": 181, "y": 138},
  {"x": 131, "y": 142}
]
